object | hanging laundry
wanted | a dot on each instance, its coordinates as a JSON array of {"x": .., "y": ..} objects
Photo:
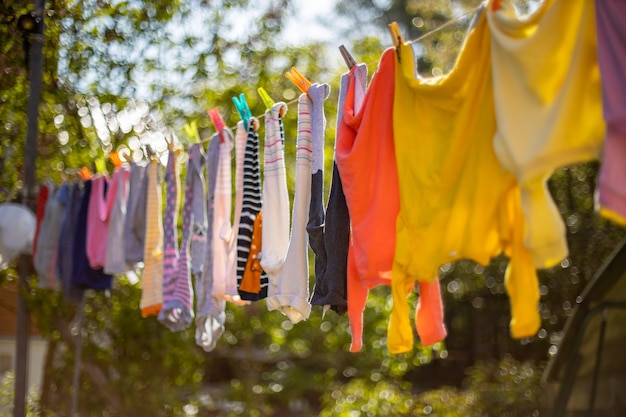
[
  {"x": 251, "y": 279},
  {"x": 548, "y": 107},
  {"x": 42, "y": 200},
  {"x": 117, "y": 198},
  {"x": 17, "y": 231},
  {"x": 611, "y": 33},
  {"x": 285, "y": 257},
  {"x": 231, "y": 292},
  {"x": 84, "y": 276},
  {"x": 65, "y": 254},
  {"x": 196, "y": 196},
  {"x": 211, "y": 316},
  {"x": 135, "y": 221},
  {"x": 97, "y": 222},
  {"x": 329, "y": 234},
  {"x": 367, "y": 166},
  {"x": 170, "y": 315},
  {"x": 456, "y": 199},
  {"x": 48, "y": 242},
  {"x": 224, "y": 234},
  {"x": 152, "y": 276}
]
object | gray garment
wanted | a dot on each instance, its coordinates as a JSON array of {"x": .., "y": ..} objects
[
  {"x": 329, "y": 233},
  {"x": 135, "y": 222},
  {"x": 196, "y": 184},
  {"x": 48, "y": 239},
  {"x": 115, "y": 260},
  {"x": 211, "y": 311}
]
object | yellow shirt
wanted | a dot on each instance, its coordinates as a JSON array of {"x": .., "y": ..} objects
[
  {"x": 456, "y": 201},
  {"x": 548, "y": 106}
]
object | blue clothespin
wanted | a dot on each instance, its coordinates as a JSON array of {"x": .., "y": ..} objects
[{"x": 242, "y": 108}]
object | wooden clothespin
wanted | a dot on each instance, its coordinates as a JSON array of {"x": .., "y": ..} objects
[
  {"x": 218, "y": 122},
  {"x": 150, "y": 152},
  {"x": 299, "y": 80},
  {"x": 350, "y": 62},
  {"x": 397, "y": 37},
  {"x": 127, "y": 157}
]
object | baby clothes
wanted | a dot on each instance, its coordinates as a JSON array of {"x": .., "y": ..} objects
[
  {"x": 115, "y": 260},
  {"x": 611, "y": 32},
  {"x": 135, "y": 222},
  {"x": 211, "y": 314},
  {"x": 152, "y": 276},
  {"x": 195, "y": 183},
  {"x": 224, "y": 234},
  {"x": 456, "y": 199},
  {"x": 275, "y": 195},
  {"x": 548, "y": 107},
  {"x": 65, "y": 253},
  {"x": 329, "y": 235},
  {"x": 177, "y": 311},
  {"x": 97, "y": 222},
  {"x": 84, "y": 276},
  {"x": 45, "y": 191},
  {"x": 251, "y": 279},
  {"x": 230, "y": 287},
  {"x": 366, "y": 160},
  {"x": 287, "y": 265},
  {"x": 46, "y": 257},
  {"x": 170, "y": 314}
]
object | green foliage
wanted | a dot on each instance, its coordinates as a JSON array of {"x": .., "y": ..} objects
[
  {"x": 508, "y": 388},
  {"x": 7, "y": 382}
]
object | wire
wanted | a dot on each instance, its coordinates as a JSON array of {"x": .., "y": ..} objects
[{"x": 412, "y": 41}]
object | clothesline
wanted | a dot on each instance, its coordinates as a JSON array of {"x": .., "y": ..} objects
[{"x": 412, "y": 41}]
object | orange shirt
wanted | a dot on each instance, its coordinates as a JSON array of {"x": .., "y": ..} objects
[{"x": 366, "y": 160}]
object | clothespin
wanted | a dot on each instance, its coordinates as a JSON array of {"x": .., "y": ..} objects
[
  {"x": 127, "y": 157},
  {"x": 495, "y": 5},
  {"x": 267, "y": 100},
  {"x": 85, "y": 174},
  {"x": 150, "y": 152},
  {"x": 115, "y": 159},
  {"x": 350, "y": 62},
  {"x": 396, "y": 36},
  {"x": 169, "y": 139},
  {"x": 218, "y": 122},
  {"x": 242, "y": 108},
  {"x": 191, "y": 130},
  {"x": 101, "y": 167},
  {"x": 299, "y": 80}
]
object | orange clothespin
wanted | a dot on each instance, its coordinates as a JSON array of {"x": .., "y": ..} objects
[
  {"x": 495, "y": 5},
  {"x": 397, "y": 37},
  {"x": 115, "y": 159},
  {"x": 218, "y": 122},
  {"x": 85, "y": 174},
  {"x": 350, "y": 62},
  {"x": 299, "y": 80}
]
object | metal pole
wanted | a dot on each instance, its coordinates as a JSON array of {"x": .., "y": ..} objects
[
  {"x": 30, "y": 159},
  {"x": 596, "y": 370},
  {"x": 78, "y": 356}
]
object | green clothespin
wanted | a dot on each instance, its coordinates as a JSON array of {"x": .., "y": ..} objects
[
  {"x": 267, "y": 100},
  {"x": 242, "y": 108}
]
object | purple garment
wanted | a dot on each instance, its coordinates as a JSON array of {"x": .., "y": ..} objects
[
  {"x": 170, "y": 314},
  {"x": 611, "y": 28}
]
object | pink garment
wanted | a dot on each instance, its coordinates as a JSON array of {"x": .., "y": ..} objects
[{"x": 98, "y": 221}]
